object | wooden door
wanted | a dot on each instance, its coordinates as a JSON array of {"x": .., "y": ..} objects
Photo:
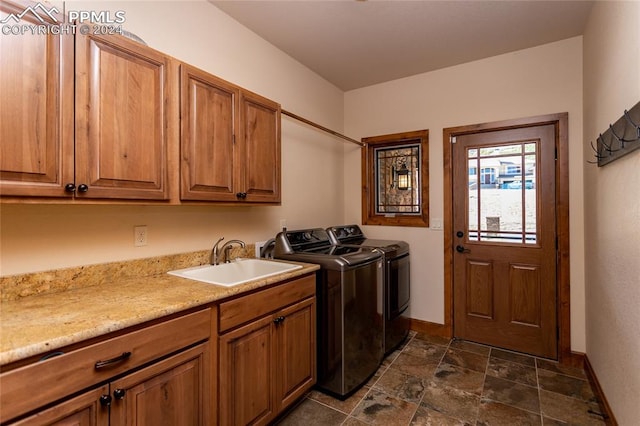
[
  {"x": 296, "y": 351},
  {"x": 504, "y": 236},
  {"x": 259, "y": 151},
  {"x": 246, "y": 374},
  {"x": 36, "y": 109},
  {"x": 83, "y": 410},
  {"x": 122, "y": 96},
  {"x": 208, "y": 124},
  {"x": 170, "y": 392}
]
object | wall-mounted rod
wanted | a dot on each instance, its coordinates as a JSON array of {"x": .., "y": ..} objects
[{"x": 324, "y": 129}]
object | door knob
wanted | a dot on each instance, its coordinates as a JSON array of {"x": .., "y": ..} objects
[
  {"x": 459, "y": 234},
  {"x": 461, "y": 249}
]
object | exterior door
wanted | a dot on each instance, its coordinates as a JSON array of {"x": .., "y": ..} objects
[{"x": 504, "y": 239}]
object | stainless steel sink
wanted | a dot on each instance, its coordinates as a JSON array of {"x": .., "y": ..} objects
[{"x": 234, "y": 273}]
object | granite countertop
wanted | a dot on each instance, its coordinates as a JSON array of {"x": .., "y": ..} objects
[{"x": 40, "y": 323}]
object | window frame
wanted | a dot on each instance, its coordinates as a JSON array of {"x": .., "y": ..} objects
[{"x": 369, "y": 172}]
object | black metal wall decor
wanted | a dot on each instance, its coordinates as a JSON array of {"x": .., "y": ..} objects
[{"x": 621, "y": 138}]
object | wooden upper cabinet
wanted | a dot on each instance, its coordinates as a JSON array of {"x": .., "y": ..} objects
[
  {"x": 122, "y": 102},
  {"x": 260, "y": 148},
  {"x": 208, "y": 123},
  {"x": 230, "y": 141},
  {"x": 36, "y": 110}
]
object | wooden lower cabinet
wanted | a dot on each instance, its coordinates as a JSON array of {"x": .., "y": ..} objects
[
  {"x": 171, "y": 392},
  {"x": 161, "y": 374},
  {"x": 267, "y": 364},
  {"x": 83, "y": 410},
  {"x": 296, "y": 352},
  {"x": 247, "y": 363}
]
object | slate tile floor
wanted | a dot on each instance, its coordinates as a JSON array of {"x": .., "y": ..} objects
[{"x": 434, "y": 381}]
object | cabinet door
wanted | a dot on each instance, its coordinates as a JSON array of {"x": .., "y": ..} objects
[
  {"x": 296, "y": 353},
  {"x": 171, "y": 392},
  {"x": 83, "y": 410},
  {"x": 246, "y": 374},
  {"x": 36, "y": 109},
  {"x": 259, "y": 150},
  {"x": 122, "y": 96},
  {"x": 207, "y": 107}
]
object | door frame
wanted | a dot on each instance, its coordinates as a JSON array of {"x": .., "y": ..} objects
[{"x": 563, "y": 296}]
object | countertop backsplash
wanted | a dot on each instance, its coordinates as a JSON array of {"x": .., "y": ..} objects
[{"x": 14, "y": 287}]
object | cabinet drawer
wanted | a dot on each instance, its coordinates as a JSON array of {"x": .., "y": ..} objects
[
  {"x": 246, "y": 308},
  {"x": 35, "y": 385}
]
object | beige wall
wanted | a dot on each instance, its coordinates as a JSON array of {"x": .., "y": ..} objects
[
  {"x": 542, "y": 80},
  {"x": 43, "y": 237},
  {"x": 612, "y": 208}
]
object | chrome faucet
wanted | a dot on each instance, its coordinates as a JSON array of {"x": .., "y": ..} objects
[
  {"x": 227, "y": 246},
  {"x": 215, "y": 252}
]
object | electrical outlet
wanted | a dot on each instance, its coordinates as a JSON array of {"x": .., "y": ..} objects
[{"x": 140, "y": 236}]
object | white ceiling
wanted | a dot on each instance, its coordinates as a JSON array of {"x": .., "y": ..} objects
[{"x": 359, "y": 43}]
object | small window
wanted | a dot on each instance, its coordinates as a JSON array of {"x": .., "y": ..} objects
[{"x": 396, "y": 179}]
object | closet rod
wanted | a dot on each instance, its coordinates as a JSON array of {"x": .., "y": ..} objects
[{"x": 324, "y": 129}]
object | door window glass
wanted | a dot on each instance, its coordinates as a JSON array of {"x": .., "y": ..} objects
[{"x": 502, "y": 197}]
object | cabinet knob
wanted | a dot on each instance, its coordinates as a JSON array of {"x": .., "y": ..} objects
[
  {"x": 241, "y": 195},
  {"x": 278, "y": 320},
  {"x": 119, "y": 393},
  {"x": 105, "y": 400},
  {"x": 70, "y": 187},
  {"x": 83, "y": 188}
]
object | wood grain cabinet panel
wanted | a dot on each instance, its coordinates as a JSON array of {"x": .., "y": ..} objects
[
  {"x": 230, "y": 141},
  {"x": 296, "y": 352},
  {"x": 208, "y": 127},
  {"x": 269, "y": 361},
  {"x": 172, "y": 364},
  {"x": 83, "y": 410},
  {"x": 122, "y": 92},
  {"x": 174, "y": 391},
  {"x": 259, "y": 151},
  {"x": 118, "y": 94},
  {"x": 36, "y": 110},
  {"x": 247, "y": 366}
]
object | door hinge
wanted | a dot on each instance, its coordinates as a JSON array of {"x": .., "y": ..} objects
[{"x": 233, "y": 139}]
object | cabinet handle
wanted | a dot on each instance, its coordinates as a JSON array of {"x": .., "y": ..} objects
[
  {"x": 106, "y": 363},
  {"x": 70, "y": 187},
  {"x": 83, "y": 187},
  {"x": 278, "y": 320},
  {"x": 119, "y": 393},
  {"x": 105, "y": 400}
]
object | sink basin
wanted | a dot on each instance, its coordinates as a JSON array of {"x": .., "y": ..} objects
[{"x": 234, "y": 273}]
